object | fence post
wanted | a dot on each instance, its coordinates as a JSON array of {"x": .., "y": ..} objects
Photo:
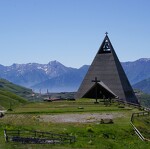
[
  {"x": 5, "y": 135},
  {"x": 132, "y": 117}
]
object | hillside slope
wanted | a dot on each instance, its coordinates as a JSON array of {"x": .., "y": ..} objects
[
  {"x": 138, "y": 70},
  {"x": 12, "y": 95},
  {"x": 143, "y": 85}
]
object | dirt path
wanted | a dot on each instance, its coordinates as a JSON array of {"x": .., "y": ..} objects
[{"x": 79, "y": 118}]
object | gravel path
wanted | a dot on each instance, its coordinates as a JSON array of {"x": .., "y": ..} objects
[{"x": 79, "y": 118}]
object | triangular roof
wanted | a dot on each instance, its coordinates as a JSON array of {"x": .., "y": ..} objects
[
  {"x": 102, "y": 91},
  {"x": 107, "y": 68}
]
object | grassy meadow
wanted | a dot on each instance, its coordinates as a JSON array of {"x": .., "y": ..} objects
[
  {"x": 12, "y": 95},
  {"x": 90, "y": 135},
  {"x": 142, "y": 123}
]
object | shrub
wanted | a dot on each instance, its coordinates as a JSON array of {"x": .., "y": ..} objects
[
  {"x": 90, "y": 129},
  {"x": 106, "y": 121}
]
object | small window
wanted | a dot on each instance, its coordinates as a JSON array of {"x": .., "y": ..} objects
[{"x": 105, "y": 48}]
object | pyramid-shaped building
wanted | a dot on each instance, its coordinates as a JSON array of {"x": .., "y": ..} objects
[{"x": 112, "y": 80}]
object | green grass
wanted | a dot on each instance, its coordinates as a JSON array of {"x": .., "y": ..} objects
[
  {"x": 143, "y": 98},
  {"x": 6, "y": 85},
  {"x": 8, "y": 99},
  {"x": 11, "y": 94},
  {"x": 143, "y": 125},
  {"x": 88, "y": 135},
  {"x": 67, "y": 107}
]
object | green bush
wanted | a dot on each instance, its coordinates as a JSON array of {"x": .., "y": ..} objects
[{"x": 90, "y": 129}]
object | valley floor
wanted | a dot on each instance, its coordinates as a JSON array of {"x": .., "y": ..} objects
[{"x": 82, "y": 119}]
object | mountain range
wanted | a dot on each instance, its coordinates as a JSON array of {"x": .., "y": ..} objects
[{"x": 55, "y": 77}]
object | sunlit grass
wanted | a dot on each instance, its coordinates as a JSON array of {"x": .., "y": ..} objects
[
  {"x": 143, "y": 125},
  {"x": 88, "y": 135},
  {"x": 67, "y": 107}
]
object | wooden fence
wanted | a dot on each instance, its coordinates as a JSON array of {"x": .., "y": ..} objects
[
  {"x": 120, "y": 101},
  {"x": 144, "y": 113},
  {"x": 37, "y": 137}
]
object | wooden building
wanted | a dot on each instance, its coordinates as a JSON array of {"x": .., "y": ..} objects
[{"x": 112, "y": 80}]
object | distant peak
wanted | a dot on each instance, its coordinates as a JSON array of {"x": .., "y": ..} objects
[
  {"x": 84, "y": 67},
  {"x": 144, "y": 59},
  {"x": 54, "y": 63},
  {"x": 15, "y": 65}
]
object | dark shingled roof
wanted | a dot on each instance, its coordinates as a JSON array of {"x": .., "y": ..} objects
[
  {"x": 102, "y": 91},
  {"x": 107, "y": 68}
]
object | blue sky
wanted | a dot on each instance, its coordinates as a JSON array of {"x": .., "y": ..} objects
[{"x": 71, "y": 31}]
